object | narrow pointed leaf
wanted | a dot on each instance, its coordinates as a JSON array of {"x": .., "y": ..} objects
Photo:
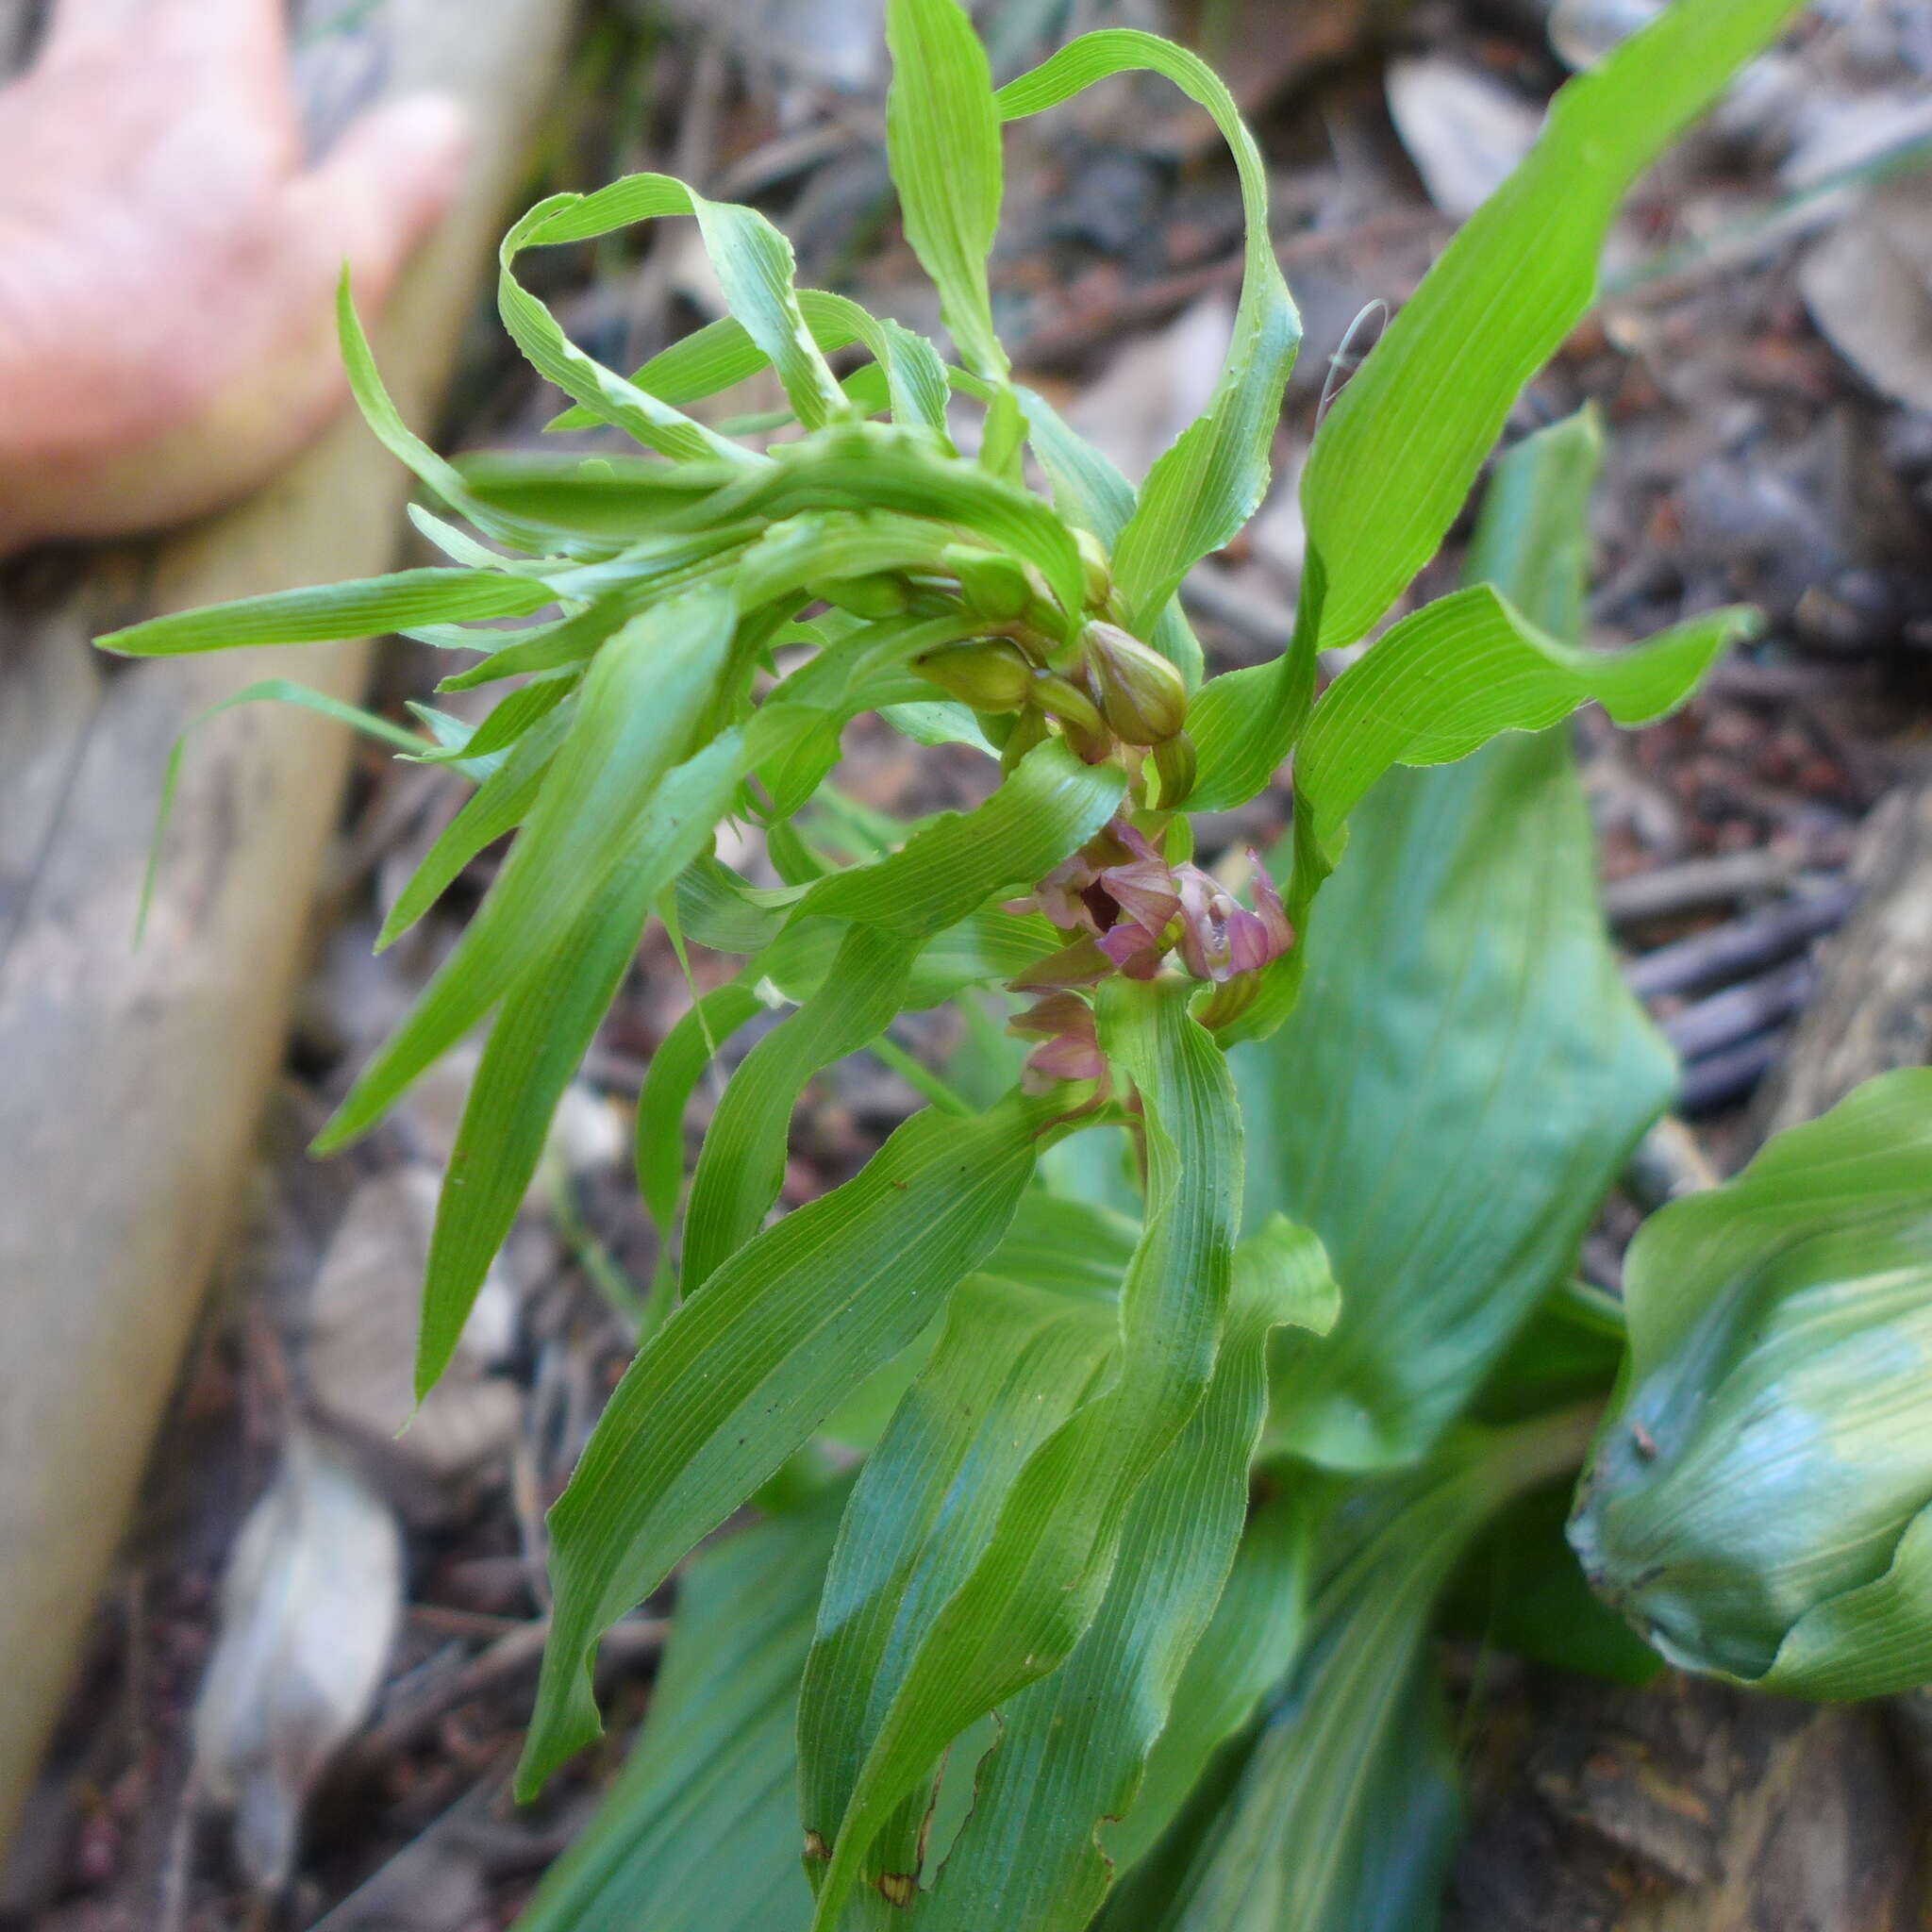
[
  {"x": 541, "y": 1034},
  {"x": 944, "y": 139},
  {"x": 742, "y": 1374},
  {"x": 638, "y": 706},
  {"x": 330, "y": 612},
  {"x": 600, "y": 391},
  {"x": 1050, "y": 807},
  {"x": 742, "y": 1165},
  {"x": 1399, "y": 451},
  {"x": 1202, "y": 491},
  {"x": 1013, "y": 1362},
  {"x": 675, "y": 1069},
  {"x": 498, "y": 805},
  {"x": 1445, "y": 681}
]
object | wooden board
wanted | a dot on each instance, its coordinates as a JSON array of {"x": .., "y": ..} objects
[{"x": 130, "y": 1081}]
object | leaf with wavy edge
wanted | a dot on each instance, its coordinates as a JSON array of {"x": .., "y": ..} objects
[
  {"x": 1201, "y": 492},
  {"x": 1042, "y": 1575},
  {"x": 1073, "y": 1747}
]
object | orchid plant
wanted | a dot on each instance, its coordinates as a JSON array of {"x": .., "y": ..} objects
[{"x": 1185, "y": 1348}]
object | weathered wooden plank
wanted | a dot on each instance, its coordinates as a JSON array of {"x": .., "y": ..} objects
[{"x": 130, "y": 1081}]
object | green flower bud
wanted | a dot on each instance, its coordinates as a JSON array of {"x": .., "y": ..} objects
[
  {"x": 880, "y": 594},
  {"x": 1141, "y": 693},
  {"x": 1759, "y": 1504},
  {"x": 1098, "y": 567},
  {"x": 995, "y": 586},
  {"x": 989, "y": 674}
]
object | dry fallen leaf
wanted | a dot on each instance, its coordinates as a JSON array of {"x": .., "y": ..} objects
[
  {"x": 1869, "y": 287},
  {"x": 1464, "y": 131},
  {"x": 361, "y": 1348},
  {"x": 310, "y": 1607}
]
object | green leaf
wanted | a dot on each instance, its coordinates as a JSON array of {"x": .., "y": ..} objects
[
  {"x": 1341, "y": 1813},
  {"x": 675, "y": 1068},
  {"x": 1458, "y": 975},
  {"x": 601, "y": 391},
  {"x": 721, "y": 353},
  {"x": 1395, "y": 457},
  {"x": 370, "y": 607},
  {"x": 943, "y": 137},
  {"x": 742, "y": 1165},
  {"x": 1073, "y": 1747},
  {"x": 546, "y": 1028},
  {"x": 1200, "y": 494},
  {"x": 1090, "y": 492},
  {"x": 1041, "y": 1578},
  {"x": 697, "y": 1833},
  {"x": 740, "y": 1376},
  {"x": 499, "y": 805},
  {"x": 1464, "y": 669},
  {"x": 873, "y": 467},
  {"x": 1258, "y": 1629},
  {"x": 1397, "y": 454},
  {"x": 1759, "y": 1502},
  {"x": 1049, "y": 807},
  {"x": 1440, "y": 684},
  {"x": 1014, "y": 1360},
  {"x": 755, "y": 271},
  {"x": 639, "y": 703},
  {"x": 515, "y": 715}
]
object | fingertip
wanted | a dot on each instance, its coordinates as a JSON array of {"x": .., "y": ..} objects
[
  {"x": 421, "y": 145},
  {"x": 387, "y": 183}
]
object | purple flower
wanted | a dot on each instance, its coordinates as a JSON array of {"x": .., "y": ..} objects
[{"x": 1063, "y": 1022}]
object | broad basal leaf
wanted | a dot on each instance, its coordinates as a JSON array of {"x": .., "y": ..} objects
[
  {"x": 1482, "y": 1073},
  {"x": 1759, "y": 1504}
]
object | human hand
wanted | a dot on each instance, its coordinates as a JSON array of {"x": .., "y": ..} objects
[{"x": 167, "y": 263}]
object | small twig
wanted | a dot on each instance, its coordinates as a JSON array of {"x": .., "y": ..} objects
[
  {"x": 1723, "y": 1079},
  {"x": 1739, "y": 1013},
  {"x": 1695, "y": 883},
  {"x": 1741, "y": 946},
  {"x": 498, "y": 1664}
]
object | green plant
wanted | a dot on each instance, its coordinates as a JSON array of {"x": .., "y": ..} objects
[{"x": 1138, "y": 1480}]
